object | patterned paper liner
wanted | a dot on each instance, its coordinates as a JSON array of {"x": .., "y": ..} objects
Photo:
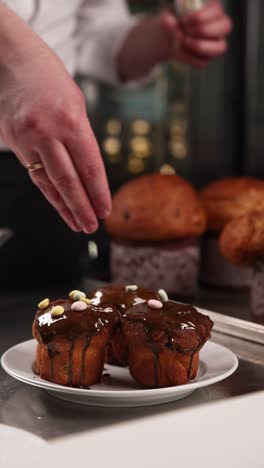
[
  {"x": 257, "y": 290},
  {"x": 217, "y": 271},
  {"x": 157, "y": 266}
]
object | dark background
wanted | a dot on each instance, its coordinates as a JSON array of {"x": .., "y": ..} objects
[
  {"x": 202, "y": 125},
  {"x": 221, "y": 107}
]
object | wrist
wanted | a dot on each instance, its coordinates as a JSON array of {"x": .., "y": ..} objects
[
  {"x": 18, "y": 42},
  {"x": 143, "y": 49}
]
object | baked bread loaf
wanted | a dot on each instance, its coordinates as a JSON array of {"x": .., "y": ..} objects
[
  {"x": 242, "y": 243},
  {"x": 156, "y": 207},
  {"x": 164, "y": 343},
  {"x": 122, "y": 297},
  {"x": 155, "y": 227},
  {"x": 72, "y": 338},
  {"x": 224, "y": 200},
  {"x": 228, "y": 198},
  {"x": 242, "y": 240}
]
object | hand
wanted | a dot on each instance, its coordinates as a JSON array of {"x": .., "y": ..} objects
[
  {"x": 43, "y": 119},
  {"x": 193, "y": 40},
  {"x": 198, "y": 37}
]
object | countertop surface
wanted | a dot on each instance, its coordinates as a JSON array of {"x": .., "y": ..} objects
[{"x": 34, "y": 411}]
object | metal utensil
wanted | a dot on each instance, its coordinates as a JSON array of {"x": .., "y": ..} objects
[{"x": 184, "y": 7}]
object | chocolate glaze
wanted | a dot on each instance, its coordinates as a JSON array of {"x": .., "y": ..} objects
[
  {"x": 106, "y": 379},
  {"x": 71, "y": 325},
  {"x": 181, "y": 328},
  {"x": 88, "y": 340},
  {"x": 124, "y": 300},
  {"x": 70, "y": 370},
  {"x": 155, "y": 348},
  {"x": 52, "y": 353},
  {"x": 178, "y": 327},
  {"x": 119, "y": 297}
]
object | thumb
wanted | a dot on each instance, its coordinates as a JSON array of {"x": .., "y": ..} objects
[{"x": 168, "y": 23}]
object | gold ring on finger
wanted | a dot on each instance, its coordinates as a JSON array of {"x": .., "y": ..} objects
[{"x": 34, "y": 166}]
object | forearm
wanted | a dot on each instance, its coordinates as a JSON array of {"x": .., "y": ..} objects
[
  {"x": 141, "y": 50},
  {"x": 18, "y": 44},
  {"x": 43, "y": 120},
  {"x": 12, "y": 30}
]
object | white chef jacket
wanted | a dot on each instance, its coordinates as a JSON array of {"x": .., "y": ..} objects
[{"x": 86, "y": 34}]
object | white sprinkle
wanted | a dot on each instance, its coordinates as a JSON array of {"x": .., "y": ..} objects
[
  {"x": 131, "y": 288},
  {"x": 154, "y": 304},
  {"x": 163, "y": 295},
  {"x": 78, "y": 306}
]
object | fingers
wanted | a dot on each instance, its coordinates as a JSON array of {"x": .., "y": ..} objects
[
  {"x": 65, "y": 179},
  {"x": 89, "y": 165},
  {"x": 203, "y": 33},
  {"x": 168, "y": 22},
  {"x": 204, "y": 47},
  {"x": 211, "y": 11},
  {"x": 220, "y": 27},
  {"x": 40, "y": 179}
]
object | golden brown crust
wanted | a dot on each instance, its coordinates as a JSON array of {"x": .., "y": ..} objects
[
  {"x": 228, "y": 198},
  {"x": 169, "y": 370},
  {"x": 80, "y": 367},
  {"x": 242, "y": 240},
  {"x": 156, "y": 207},
  {"x": 71, "y": 347},
  {"x": 162, "y": 350}
]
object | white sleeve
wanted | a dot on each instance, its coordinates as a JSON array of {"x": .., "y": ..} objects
[{"x": 102, "y": 28}]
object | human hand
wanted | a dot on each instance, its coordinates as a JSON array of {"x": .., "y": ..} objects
[
  {"x": 193, "y": 40},
  {"x": 43, "y": 119},
  {"x": 196, "y": 38}
]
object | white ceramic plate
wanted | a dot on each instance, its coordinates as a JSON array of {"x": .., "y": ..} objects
[{"x": 216, "y": 363}]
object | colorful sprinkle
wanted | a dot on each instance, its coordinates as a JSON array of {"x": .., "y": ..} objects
[
  {"x": 71, "y": 294},
  {"x": 131, "y": 288},
  {"x": 163, "y": 295},
  {"x": 78, "y": 306},
  {"x": 79, "y": 295},
  {"x": 57, "y": 310},
  {"x": 86, "y": 300},
  {"x": 155, "y": 304},
  {"x": 44, "y": 304}
]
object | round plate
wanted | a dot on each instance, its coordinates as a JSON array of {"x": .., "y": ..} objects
[{"x": 118, "y": 389}]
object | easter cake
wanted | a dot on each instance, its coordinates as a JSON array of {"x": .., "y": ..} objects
[
  {"x": 161, "y": 338},
  {"x": 122, "y": 297},
  {"x": 242, "y": 244},
  {"x": 155, "y": 230},
  {"x": 224, "y": 200}
]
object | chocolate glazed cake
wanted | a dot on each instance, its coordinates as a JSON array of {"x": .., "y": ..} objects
[
  {"x": 123, "y": 297},
  {"x": 159, "y": 339},
  {"x": 72, "y": 339},
  {"x": 164, "y": 341}
]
